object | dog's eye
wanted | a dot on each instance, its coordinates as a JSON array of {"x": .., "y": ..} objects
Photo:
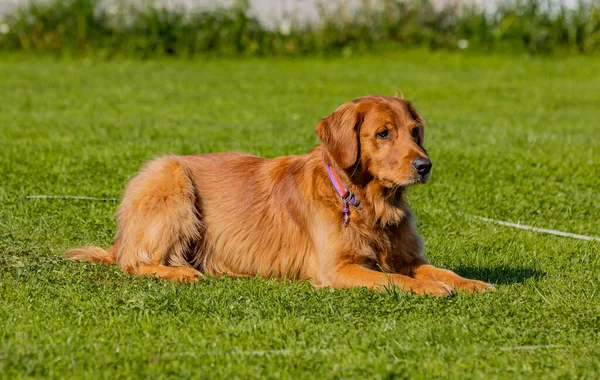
[
  {"x": 384, "y": 134},
  {"x": 415, "y": 133}
]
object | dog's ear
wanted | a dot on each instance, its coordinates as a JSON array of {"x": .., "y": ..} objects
[
  {"x": 339, "y": 133},
  {"x": 414, "y": 114},
  {"x": 417, "y": 119}
]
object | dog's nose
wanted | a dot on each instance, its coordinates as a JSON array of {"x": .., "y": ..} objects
[{"x": 422, "y": 165}]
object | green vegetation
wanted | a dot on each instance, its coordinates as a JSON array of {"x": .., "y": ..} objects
[
  {"x": 511, "y": 138},
  {"x": 85, "y": 27}
]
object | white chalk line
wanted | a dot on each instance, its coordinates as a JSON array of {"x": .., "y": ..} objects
[
  {"x": 78, "y": 197},
  {"x": 282, "y": 352},
  {"x": 288, "y": 352},
  {"x": 528, "y": 348},
  {"x": 300, "y": 352},
  {"x": 483, "y": 219},
  {"x": 536, "y": 229}
]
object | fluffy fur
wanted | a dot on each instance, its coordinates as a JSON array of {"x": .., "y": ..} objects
[{"x": 241, "y": 215}]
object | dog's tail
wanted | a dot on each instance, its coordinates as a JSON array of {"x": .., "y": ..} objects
[{"x": 92, "y": 254}]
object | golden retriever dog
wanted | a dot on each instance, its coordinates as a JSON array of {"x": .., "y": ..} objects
[{"x": 335, "y": 216}]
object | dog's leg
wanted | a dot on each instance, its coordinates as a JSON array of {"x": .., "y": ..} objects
[
  {"x": 157, "y": 221},
  {"x": 354, "y": 275},
  {"x": 424, "y": 271}
]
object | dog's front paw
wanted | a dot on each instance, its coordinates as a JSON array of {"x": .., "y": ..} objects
[
  {"x": 432, "y": 288},
  {"x": 474, "y": 286}
]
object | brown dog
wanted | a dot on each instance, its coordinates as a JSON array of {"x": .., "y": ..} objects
[{"x": 335, "y": 216}]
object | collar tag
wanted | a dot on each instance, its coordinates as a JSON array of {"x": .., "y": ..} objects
[{"x": 346, "y": 195}]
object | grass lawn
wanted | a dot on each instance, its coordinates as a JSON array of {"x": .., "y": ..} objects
[{"x": 511, "y": 138}]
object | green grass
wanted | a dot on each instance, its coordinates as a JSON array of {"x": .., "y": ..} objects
[{"x": 511, "y": 138}]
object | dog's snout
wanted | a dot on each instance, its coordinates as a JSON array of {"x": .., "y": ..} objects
[{"x": 422, "y": 165}]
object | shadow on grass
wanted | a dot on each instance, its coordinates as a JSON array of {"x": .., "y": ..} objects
[{"x": 499, "y": 275}]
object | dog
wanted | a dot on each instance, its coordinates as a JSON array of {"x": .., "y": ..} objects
[{"x": 335, "y": 216}]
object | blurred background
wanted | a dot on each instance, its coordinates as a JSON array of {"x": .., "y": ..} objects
[{"x": 297, "y": 27}]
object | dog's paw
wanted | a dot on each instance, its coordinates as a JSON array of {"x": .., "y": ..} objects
[
  {"x": 474, "y": 286},
  {"x": 432, "y": 288},
  {"x": 187, "y": 275}
]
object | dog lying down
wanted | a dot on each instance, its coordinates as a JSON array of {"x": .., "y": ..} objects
[{"x": 335, "y": 216}]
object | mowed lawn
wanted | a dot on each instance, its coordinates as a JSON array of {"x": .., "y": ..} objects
[{"x": 514, "y": 139}]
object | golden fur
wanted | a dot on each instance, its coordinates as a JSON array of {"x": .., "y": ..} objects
[{"x": 241, "y": 215}]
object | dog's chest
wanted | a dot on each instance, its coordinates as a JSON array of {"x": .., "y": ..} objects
[{"x": 372, "y": 245}]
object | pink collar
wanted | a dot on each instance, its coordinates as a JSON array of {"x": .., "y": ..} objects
[{"x": 346, "y": 195}]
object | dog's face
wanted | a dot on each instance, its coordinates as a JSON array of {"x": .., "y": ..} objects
[{"x": 382, "y": 135}]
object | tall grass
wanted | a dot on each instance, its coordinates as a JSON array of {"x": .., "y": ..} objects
[{"x": 89, "y": 26}]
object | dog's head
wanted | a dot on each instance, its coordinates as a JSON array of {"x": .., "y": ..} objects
[{"x": 382, "y": 136}]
